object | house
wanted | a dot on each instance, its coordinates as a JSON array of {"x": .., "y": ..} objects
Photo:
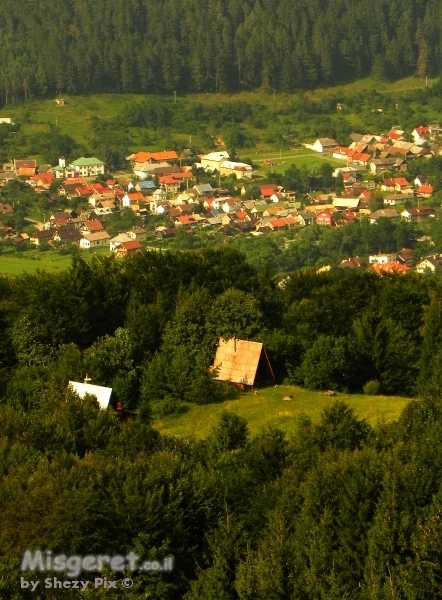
[
  {"x": 242, "y": 362},
  {"x": 306, "y": 218},
  {"x": 148, "y": 185},
  {"x": 203, "y": 189},
  {"x": 94, "y": 240},
  {"x": 165, "y": 232},
  {"x": 405, "y": 256},
  {"x": 384, "y": 213},
  {"x": 119, "y": 239},
  {"x": 137, "y": 233},
  {"x": 212, "y": 161},
  {"x": 159, "y": 194},
  {"x": 268, "y": 190},
  {"x": 395, "y": 199},
  {"x": 128, "y": 248},
  {"x": 43, "y": 180},
  {"x": 425, "y": 191},
  {"x": 131, "y": 198},
  {"x": 231, "y": 205},
  {"x": 186, "y": 221},
  {"x": 352, "y": 203},
  {"x": 67, "y": 236},
  {"x": 418, "y": 212},
  {"x": 25, "y": 168},
  {"x": 283, "y": 223},
  {"x": 431, "y": 264},
  {"x": 238, "y": 169},
  {"x": 325, "y": 217},
  {"x": 169, "y": 183},
  {"x": 104, "y": 395},
  {"x": 88, "y": 167},
  {"x": 352, "y": 263},
  {"x": 421, "y": 134},
  {"x": 40, "y": 237},
  {"x": 378, "y": 165},
  {"x": 154, "y": 170},
  {"x": 91, "y": 226},
  {"x": 390, "y": 268},
  {"x": 139, "y": 159},
  {"x": 382, "y": 258},
  {"x": 322, "y": 145},
  {"x": 395, "y": 184},
  {"x": 259, "y": 209}
]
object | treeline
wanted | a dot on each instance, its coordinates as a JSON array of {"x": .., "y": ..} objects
[
  {"x": 340, "y": 510},
  {"x": 154, "y": 46}
]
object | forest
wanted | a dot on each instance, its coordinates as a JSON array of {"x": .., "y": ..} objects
[
  {"x": 336, "y": 510},
  {"x": 153, "y": 46}
]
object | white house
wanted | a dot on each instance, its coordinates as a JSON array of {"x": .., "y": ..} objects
[
  {"x": 323, "y": 145},
  {"x": 382, "y": 259},
  {"x": 159, "y": 194},
  {"x": 240, "y": 170},
  {"x": 94, "y": 240},
  {"x": 212, "y": 161},
  {"x": 85, "y": 167}
]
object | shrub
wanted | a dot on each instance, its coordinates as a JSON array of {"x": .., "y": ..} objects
[{"x": 372, "y": 388}]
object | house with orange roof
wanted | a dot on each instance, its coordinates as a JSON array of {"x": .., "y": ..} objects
[
  {"x": 267, "y": 190},
  {"x": 43, "y": 180},
  {"x": 129, "y": 248},
  {"x": 91, "y": 226},
  {"x": 421, "y": 134},
  {"x": 425, "y": 191},
  {"x": 25, "y": 168},
  {"x": 169, "y": 183},
  {"x": 185, "y": 221}
]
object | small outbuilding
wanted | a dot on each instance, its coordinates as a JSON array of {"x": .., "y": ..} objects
[{"x": 242, "y": 362}]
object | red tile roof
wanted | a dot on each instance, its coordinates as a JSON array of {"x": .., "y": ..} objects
[
  {"x": 157, "y": 156},
  {"x": 425, "y": 189},
  {"x": 133, "y": 245}
]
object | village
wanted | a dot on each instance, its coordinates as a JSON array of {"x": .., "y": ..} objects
[{"x": 159, "y": 190}]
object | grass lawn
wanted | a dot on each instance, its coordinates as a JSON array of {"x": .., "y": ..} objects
[
  {"x": 269, "y": 408},
  {"x": 31, "y": 261}
]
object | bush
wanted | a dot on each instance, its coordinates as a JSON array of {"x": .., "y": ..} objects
[
  {"x": 167, "y": 406},
  {"x": 372, "y": 388}
]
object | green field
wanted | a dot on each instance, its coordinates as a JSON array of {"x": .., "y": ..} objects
[
  {"x": 31, "y": 261},
  {"x": 267, "y": 407}
]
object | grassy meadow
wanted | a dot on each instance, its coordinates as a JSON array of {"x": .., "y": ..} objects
[
  {"x": 267, "y": 407},
  {"x": 31, "y": 261}
]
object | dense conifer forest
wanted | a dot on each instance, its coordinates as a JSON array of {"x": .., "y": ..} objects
[
  {"x": 336, "y": 510},
  {"x": 150, "y": 46}
]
